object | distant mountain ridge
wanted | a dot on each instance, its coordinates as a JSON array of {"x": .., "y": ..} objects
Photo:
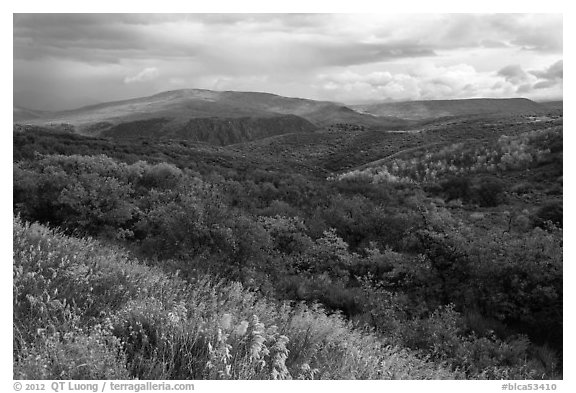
[
  {"x": 20, "y": 114},
  {"x": 420, "y": 110},
  {"x": 221, "y": 117},
  {"x": 229, "y": 117}
]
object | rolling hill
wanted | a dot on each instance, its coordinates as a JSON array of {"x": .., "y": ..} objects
[
  {"x": 21, "y": 114},
  {"x": 219, "y": 117},
  {"x": 420, "y": 110},
  {"x": 230, "y": 117},
  {"x": 553, "y": 104}
]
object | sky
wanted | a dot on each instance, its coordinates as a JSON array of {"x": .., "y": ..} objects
[{"x": 63, "y": 61}]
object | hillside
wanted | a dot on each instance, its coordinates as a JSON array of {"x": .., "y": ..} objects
[
  {"x": 212, "y": 130},
  {"x": 220, "y": 117},
  {"x": 553, "y": 104},
  {"x": 20, "y": 114},
  {"x": 199, "y": 317},
  {"x": 441, "y": 259},
  {"x": 336, "y": 150},
  {"x": 419, "y": 110}
]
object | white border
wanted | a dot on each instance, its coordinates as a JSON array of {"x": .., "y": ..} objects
[{"x": 356, "y": 6}]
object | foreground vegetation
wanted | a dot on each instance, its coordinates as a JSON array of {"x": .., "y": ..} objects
[
  {"x": 83, "y": 311},
  {"x": 203, "y": 268}
]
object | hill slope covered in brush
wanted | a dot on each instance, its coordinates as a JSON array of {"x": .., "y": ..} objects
[
  {"x": 433, "y": 252},
  {"x": 219, "y": 117}
]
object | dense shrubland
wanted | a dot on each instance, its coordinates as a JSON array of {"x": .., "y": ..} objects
[
  {"x": 86, "y": 311},
  {"x": 203, "y": 270},
  {"x": 508, "y": 152}
]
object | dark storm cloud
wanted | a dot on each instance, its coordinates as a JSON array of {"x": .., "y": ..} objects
[
  {"x": 332, "y": 36},
  {"x": 62, "y": 30},
  {"x": 93, "y": 37},
  {"x": 107, "y": 38}
]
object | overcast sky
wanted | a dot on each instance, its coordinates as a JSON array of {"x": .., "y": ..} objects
[{"x": 63, "y": 61}]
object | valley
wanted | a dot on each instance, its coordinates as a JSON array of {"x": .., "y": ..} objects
[{"x": 419, "y": 241}]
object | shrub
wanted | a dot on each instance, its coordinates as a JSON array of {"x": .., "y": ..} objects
[
  {"x": 456, "y": 188},
  {"x": 163, "y": 176},
  {"x": 522, "y": 188},
  {"x": 90, "y": 194},
  {"x": 551, "y": 212},
  {"x": 488, "y": 191},
  {"x": 514, "y": 278}
]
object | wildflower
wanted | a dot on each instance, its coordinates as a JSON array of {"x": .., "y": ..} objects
[
  {"x": 226, "y": 321},
  {"x": 173, "y": 317},
  {"x": 241, "y": 328}
]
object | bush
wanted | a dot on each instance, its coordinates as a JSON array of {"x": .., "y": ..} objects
[
  {"x": 163, "y": 176},
  {"x": 456, "y": 188},
  {"x": 513, "y": 278},
  {"x": 89, "y": 194},
  {"x": 551, "y": 212},
  {"x": 443, "y": 335},
  {"x": 488, "y": 192},
  {"x": 485, "y": 191}
]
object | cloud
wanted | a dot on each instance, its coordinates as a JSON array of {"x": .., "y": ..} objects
[
  {"x": 540, "y": 33},
  {"x": 295, "y": 54},
  {"x": 544, "y": 84},
  {"x": 427, "y": 81},
  {"x": 514, "y": 74},
  {"x": 525, "y": 88},
  {"x": 529, "y": 81},
  {"x": 349, "y": 38},
  {"x": 550, "y": 77},
  {"x": 534, "y": 32},
  {"x": 146, "y": 75},
  {"x": 553, "y": 73}
]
